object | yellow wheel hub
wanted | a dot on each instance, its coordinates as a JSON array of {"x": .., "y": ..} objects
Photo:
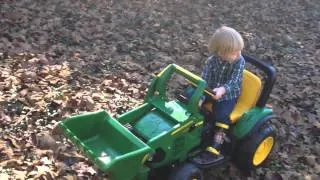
[{"x": 263, "y": 151}]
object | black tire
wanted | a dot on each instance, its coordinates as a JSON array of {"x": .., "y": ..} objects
[
  {"x": 186, "y": 171},
  {"x": 247, "y": 158}
]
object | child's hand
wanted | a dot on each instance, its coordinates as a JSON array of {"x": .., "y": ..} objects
[{"x": 220, "y": 91}]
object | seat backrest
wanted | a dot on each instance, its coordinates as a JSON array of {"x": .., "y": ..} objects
[{"x": 250, "y": 92}]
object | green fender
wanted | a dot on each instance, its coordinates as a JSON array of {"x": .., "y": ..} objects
[{"x": 249, "y": 120}]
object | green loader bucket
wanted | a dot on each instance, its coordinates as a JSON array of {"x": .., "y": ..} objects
[{"x": 107, "y": 143}]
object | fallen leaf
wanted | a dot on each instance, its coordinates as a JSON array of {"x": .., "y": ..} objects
[
  {"x": 45, "y": 141},
  {"x": 19, "y": 175},
  {"x": 4, "y": 119},
  {"x": 12, "y": 163}
]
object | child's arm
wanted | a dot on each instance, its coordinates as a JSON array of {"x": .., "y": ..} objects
[
  {"x": 206, "y": 73},
  {"x": 236, "y": 77}
]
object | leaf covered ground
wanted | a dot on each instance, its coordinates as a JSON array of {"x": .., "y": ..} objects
[{"x": 63, "y": 57}]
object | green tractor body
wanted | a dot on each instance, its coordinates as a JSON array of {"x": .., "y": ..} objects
[{"x": 155, "y": 134}]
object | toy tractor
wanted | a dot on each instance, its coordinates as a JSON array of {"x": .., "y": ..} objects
[{"x": 167, "y": 134}]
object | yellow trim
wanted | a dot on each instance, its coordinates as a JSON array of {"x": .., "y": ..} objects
[
  {"x": 161, "y": 72},
  {"x": 181, "y": 128},
  {"x": 199, "y": 123},
  {"x": 210, "y": 94},
  {"x": 193, "y": 84},
  {"x": 263, "y": 151},
  {"x": 187, "y": 72},
  {"x": 145, "y": 158},
  {"x": 206, "y": 91},
  {"x": 224, "y": 126},
  {"x": 212, "y": 150}
]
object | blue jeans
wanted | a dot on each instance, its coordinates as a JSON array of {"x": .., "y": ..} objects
[{"x": 222, "y": 110}]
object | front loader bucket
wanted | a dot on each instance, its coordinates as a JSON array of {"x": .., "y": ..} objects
[{"x": 108, "y": 144}]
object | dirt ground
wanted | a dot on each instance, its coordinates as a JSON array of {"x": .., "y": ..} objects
[{"x": 64, "y": 57}]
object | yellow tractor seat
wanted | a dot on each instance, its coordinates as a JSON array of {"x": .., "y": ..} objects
[{"x": 250, "y": 92}]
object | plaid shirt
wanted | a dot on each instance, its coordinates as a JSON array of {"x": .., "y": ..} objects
[{"x": 219, "y": 73}]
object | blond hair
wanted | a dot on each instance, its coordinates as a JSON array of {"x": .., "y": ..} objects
[{"x": 225, "y": 40}]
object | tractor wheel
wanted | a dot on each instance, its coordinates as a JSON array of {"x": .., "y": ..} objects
[
  {"x": 186, "y": 171},
  {"x": 255, "y": 150}
]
